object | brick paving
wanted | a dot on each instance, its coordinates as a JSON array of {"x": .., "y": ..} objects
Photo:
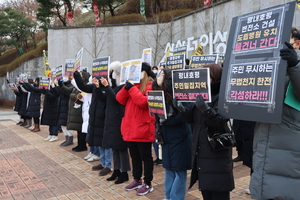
[{"x": 31, "y": 168}]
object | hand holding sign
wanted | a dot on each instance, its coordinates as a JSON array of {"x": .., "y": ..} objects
[
  {"x": 178, "y": 105},
  {"x": 128, "y": 85},
  {"x": 289, "y": 54},
  {"x": 200, "y": 104},
  {"x": 95, "y": 82},
  {"x": 104, "y": 81}
]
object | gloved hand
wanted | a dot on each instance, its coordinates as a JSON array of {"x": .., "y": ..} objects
[
  {"x": 7, "y": 81},
  {"x": 289, "y": 54},
  {"x": 21, "y": 83},
  {"x": 128, "y": 85},
  {"x": 200, "y": 104},
  {"x": 178, "y": 105},
  {"x": 60, "y": 83}
]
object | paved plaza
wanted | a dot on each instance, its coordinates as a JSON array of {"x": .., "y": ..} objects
[{"x": 31, "y": 168}]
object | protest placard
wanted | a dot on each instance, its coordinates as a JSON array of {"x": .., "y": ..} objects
[
  {"x": 201, "y": 60},
  {"x": 147, "y": 56},
  {"x": 156, "y": 104},
  {"x": 59, "y": 72},
  {"x": 180, "y": 50},
  {"x": 78, "y": 59},
  {"x": 100, "y": 67},
  {"x": 131, "y": 71},
  {"x": 23, "y": 78},
  {"x": 44, "y": 83},
  {"x": 69, "y": 66},
  {"x": 189, "y": 83},
  {"x": 176, "y": 62},
  {"x": 252, "y": 86},
  {"x": 13, "y": 87}
]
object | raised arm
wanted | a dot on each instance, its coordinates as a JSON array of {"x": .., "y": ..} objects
[{"x": 85, "y": 88}]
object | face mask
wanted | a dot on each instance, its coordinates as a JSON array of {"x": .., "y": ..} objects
[
  {"x": 65, "y": 79},
  {"x": 142, "y": 75},
  {"x": 154, "y": 71},
  {"x": 114, "y": 75}
]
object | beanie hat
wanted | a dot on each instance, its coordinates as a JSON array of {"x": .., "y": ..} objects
[{"x": 146, "y": 67}]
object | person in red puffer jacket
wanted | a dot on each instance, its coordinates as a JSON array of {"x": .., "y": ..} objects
[{"x": 138, "y": 128}]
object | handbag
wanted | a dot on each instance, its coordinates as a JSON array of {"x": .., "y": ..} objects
[{"x": 222, "y": 141}]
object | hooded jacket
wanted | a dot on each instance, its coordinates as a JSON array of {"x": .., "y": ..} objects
[{"x": 276, "y": 151}]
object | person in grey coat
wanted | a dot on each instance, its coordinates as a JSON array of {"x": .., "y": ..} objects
[{"x": 276, "y": 149}]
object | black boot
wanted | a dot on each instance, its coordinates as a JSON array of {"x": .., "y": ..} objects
[
  {"x": 69, "y": 141},
  {"x": 122, "y": 178},
  {"x": 62, "y": 144},
  {"x": 115, "y": 175},
  {"x": 81, "y": 142}
]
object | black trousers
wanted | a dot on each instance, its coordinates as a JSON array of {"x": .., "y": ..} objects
[
  {"x": 210, "y": 195},
  {"x": 141, "y": 156}
]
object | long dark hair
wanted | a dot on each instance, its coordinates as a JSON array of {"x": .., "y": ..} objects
[
  {"x": 166, "y": 85},
  {"x": 215, "y": 71}
]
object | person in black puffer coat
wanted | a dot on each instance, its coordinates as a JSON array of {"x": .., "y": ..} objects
[
  {"x": 49, "y": 115},
  {"x": 212, "y": 169},
  {"x": 112, "y": 137},
  {"x": 63, "y": 107},
  {"x": 34, "y": 103},
  {"x": 23, "y": 107},
  {"x": 97, "y": 115}
]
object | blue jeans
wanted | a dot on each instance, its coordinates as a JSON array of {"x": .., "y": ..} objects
[
  {"x": 105, "y": 157},
  {"x": 53, "y": 130},
  {"x": 95, "y": 151},
  {"x": 175, "y": 184}
]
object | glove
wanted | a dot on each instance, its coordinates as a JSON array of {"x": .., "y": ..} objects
[
  {"x": 7, "y": 81},
  {"x": 289, "y": 54},
  {"x": 200, "y": 104},
  {"x": 60, "y": 83},
  {"x": 21, "y": 83},
  {"x": 128, "y": 85},
  {"x": 178, "y": 105}
]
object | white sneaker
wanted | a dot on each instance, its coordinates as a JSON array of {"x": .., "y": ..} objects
[
  {"x": 53, "y": 139},
  {"x": 31, "y": 127},
  {"x": 88, "y": 156},
  {"x": 93, "y": 158},
  {"x": 48, "y": 138},
  {"x": 248, "y": 191}
]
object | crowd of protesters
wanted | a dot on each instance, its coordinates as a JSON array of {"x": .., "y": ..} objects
[{"x": 112, "y": 121}]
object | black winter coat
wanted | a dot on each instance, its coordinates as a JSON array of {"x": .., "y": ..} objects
[
  {"x": 96, "y": 112},
  {"x": 213, "y": 170},
  {"x": 244, "y": 131},
  {"x": 23, "y": 107},
  {"x": 34, "y": 103},
  {"x": 74, "y": 121},
  {"x": 112, "y": 137},
  {"x": 50, "y": 109},
  {"x": 177, "y": 144},
  {"x": 19, "y": 97},
  {"x": 63, "y": 106}
]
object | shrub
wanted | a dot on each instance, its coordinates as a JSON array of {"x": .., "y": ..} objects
[
  {"x": 128, "y": 18},
  {"x": 38, "y": 52}
]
